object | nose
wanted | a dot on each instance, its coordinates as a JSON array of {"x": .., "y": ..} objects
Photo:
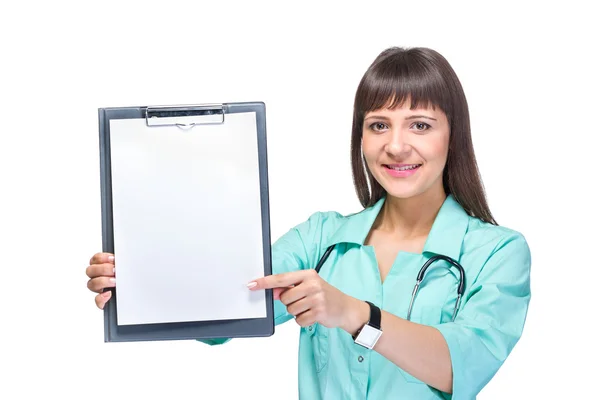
[{"x": 397, "y": 144}]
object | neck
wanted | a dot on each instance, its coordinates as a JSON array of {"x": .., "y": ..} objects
[{"x": 412, "y": 217}]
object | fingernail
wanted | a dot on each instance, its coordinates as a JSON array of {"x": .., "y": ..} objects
[
  {"x": 251, "y": 285},
  {"x": 106, "y": 294},
  {"x": 111, "y": 258},
  {"x": 112, "y": 280}
]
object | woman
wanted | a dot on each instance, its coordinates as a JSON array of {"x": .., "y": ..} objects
[{"x": 416, "y": 176}]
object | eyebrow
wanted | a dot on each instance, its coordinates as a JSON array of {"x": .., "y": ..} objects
[
  {"x": 407, "y": 118},
  {"x": 420, "y": 116}
]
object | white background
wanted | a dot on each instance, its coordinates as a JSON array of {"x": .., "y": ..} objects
[{"x": 530, "y": 73}]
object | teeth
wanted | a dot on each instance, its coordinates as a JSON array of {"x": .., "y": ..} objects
[{"x": 405, "y": 168}]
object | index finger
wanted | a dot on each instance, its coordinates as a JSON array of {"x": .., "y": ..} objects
[
  {"x": 102, "y": 258},
  {"x": 285, "y": 279}
]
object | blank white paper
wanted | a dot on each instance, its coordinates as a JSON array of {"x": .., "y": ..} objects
[{"x": 187, "y": 221}]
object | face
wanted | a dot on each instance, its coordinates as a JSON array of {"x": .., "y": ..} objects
[{"x": 406, "y": 150}]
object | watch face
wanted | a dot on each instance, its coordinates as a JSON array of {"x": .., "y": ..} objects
[{"x": 368, "y": 336}]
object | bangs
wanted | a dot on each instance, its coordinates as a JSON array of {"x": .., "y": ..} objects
[{"x": 391, "y": 81}]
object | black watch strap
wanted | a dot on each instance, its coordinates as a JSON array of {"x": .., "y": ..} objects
[{"x": 374, "y": 318}]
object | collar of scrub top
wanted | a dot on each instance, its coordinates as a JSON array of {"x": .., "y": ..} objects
[{"x": 445, "y": 238}]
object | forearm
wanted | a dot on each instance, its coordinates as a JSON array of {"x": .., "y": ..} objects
[{"x": 418, "y": 349}]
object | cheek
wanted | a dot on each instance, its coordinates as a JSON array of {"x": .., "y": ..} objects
[
  {"x": 369, "y": 151},
  {"x": 437, "y": 150}
]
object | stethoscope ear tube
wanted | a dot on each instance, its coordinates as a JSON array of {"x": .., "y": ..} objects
[
  {"x": 324, "y": 258},
  {"x": 461, "y": 271},
  {"x": 421, "y": 275}
]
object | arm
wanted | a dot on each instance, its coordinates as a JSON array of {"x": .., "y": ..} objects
[
  {"x": 418, "y": 349},
  {"x": 461, "y": 357}
]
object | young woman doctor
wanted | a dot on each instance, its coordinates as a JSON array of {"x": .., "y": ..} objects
[{"x": 416, "y": 176}]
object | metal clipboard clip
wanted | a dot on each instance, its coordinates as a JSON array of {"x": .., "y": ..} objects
[{"x": 185, "y": 116}]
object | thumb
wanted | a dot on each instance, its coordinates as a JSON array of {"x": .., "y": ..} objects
[{"x": 277, "y": 292}]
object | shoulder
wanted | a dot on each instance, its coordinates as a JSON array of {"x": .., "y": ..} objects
[
  {"x": 490, "y": 232},
  {"x": 495, "y": 241},
  {"x": 482, "y": 232},
  {"x": 323, "y": 228},
  {"x": 322, "y": 222},
  {"x": 305, "y": 241}
]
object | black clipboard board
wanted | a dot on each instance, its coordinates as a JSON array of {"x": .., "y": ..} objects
[{"x": 185, "y": 117}]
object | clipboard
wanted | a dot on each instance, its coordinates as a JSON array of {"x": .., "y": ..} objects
[{"x": 212, "y": 145}]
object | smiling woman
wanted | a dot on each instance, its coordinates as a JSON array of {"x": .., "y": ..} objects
[{"x": 417, "y": 179}]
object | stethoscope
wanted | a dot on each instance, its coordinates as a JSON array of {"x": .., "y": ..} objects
[{"x": 420, "y": 277}]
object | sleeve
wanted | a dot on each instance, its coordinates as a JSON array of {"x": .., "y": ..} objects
[
  {"x": 291, "y": 252},
  {"x": 491, "y": 320}
]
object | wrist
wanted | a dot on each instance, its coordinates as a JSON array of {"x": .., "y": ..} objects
[{"x": 356, "y": 315}]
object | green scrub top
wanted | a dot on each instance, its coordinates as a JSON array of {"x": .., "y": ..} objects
[{"x": 489, "y": 322}]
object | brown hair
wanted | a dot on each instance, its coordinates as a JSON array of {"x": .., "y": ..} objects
[{"x": 426, "y": 77}]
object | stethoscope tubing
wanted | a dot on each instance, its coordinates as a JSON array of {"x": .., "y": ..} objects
[{"x": 420, "y": 276}]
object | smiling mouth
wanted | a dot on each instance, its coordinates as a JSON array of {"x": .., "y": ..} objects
[{"x": 405, "y": 167}]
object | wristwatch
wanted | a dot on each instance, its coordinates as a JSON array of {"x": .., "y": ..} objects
[{"x": 369, "y": 334}]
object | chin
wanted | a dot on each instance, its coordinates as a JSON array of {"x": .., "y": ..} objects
[
  {"x": 404, "y": 193},
  {"x": 401, "y": 190},
  {"x": 404, "y": 190}
]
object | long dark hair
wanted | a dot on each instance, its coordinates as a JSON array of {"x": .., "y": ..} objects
[{"x": 426, "y": 77}]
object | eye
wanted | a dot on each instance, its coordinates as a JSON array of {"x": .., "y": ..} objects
[
  {"x": 421, "y": 126},
  {"x": 378, "y": 126}
]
